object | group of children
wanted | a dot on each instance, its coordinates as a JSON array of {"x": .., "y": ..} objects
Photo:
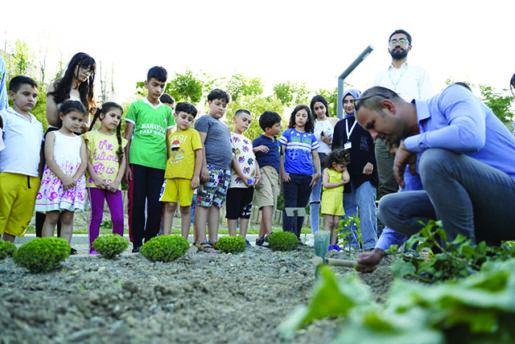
[{"x": 164, "y": 159}]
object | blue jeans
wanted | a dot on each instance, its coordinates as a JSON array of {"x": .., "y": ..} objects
[
  {"x": 363, "y": 199},
  {"x": 295, "y": 194},
  {"x": 470, "y": 197},
  {"x": 314, "y": 204}
]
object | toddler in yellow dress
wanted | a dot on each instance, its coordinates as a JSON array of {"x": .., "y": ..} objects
[{"x": 335, "y": 175}]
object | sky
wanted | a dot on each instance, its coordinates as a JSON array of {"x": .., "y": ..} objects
[{"x": 275, "y": 40}]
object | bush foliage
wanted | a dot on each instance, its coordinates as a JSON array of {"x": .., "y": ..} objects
[
  {"x": 42, "y": 254},
  {"x": 283, "y": 241},
  {"x": 231, "y": 244},
  {"x": 7, "y": 248},
  {"x": 165, "y": 248},
  {"x": 110, "y": 246}
]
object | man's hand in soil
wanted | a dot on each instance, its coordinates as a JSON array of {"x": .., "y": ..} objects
[{"x": 367, "y": 262}]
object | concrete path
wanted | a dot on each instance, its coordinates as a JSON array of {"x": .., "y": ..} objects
[{"x": 80, "y": 242}]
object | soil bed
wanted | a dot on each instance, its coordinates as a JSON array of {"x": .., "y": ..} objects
[{"x": 200, "y": 298}]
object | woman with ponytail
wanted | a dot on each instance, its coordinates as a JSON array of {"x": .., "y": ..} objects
[{"x": 106, "y": 168}]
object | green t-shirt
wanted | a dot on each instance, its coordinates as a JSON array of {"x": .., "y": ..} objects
[
  {"x": 183, "y": 145},
  {"x": 148, "y": 147}
]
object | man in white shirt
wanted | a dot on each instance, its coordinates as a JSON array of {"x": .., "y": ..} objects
[{"x": 408, "y": 81}]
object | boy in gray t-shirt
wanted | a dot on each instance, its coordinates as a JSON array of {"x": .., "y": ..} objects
[{"x": 215, "y": 174}]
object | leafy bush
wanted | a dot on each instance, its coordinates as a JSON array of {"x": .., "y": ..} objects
[
  {"x": 231, "y": 244},
  {"x": 110, "y": 246},
  {"x": 7, "y": 248},
  {"x": 165, "y": 248},
  {"x": 42, "y": 254},
  {"x": 283, "y": 241}
]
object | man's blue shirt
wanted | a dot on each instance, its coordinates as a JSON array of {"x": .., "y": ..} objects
[{"x": 458, "y": 121}]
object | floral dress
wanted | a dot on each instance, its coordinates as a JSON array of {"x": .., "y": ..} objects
[{"x": 51, "y": 195}]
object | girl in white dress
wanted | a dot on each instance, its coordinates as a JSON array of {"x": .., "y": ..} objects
[{"x": 63, "y": 185}]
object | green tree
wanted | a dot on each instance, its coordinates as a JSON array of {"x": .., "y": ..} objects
[
  {"x": 185, "y": 87},
  {"x": 301, "y": 93},
  {"x": 140, "y": 89},
  {"x": 284, "y": 92},
  {"x": 240, "y": 85},
  {"x": 499, "y": 104},
  {"x": 18, "y": 63},
  {"x": 20, "y": 59},
  {"x": 288, "y": 93},
  {"x": 256, "y": 105}
]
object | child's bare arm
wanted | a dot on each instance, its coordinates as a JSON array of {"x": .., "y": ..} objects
[
  {"x": 93, "y": 174},
  {"x": 284, "y": 176},
  {"x": 129, "y": 127},
  {"x": 84, "y": 162},
  {"x": 113, "y": 187},
  {"x": 316, "y": 162},
  {"x": 261, "y": 148},
  {"x": 327, "y": 184},
  {"x": 258, "y": 174},
  {"x": 346, "y": 176},
  {"x": 325, "y": 179},
  {"x": 169, "y": 132},
  {"x": 204, "y": 172},
  {"x": 195, "y": 181}
]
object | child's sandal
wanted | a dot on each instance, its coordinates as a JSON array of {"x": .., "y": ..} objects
[{"x": 204, "y": 247}]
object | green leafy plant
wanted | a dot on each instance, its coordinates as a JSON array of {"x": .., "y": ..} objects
[
  {"x": 7, "y": 248},
  {"x": 436, "y": 259},
  {"x": 345, "y": 233},
  {"x": 283, "y": 241},
  {"x": 110, "y": 245},
  {"x": 106, "y": 224},
  {"x": 165, "y": 248},
  {"x": 42, "y": 254},
  {"x": 479, "y": 309},
  {"x": 231, "y": 244}
]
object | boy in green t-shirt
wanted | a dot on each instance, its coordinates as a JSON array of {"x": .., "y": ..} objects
[
  {"x": 147, "y": 122},
  {"x": 183, "y": 168}
]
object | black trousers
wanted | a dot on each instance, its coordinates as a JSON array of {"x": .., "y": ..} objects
[
  {"x": 147, "y": 183},
  {"x": 295, "y": 194}
]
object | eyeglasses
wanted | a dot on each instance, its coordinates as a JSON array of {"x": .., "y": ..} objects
[
  {"x": 357, "y": 101},
  {"x": 87, "y": 69},
  {"x": 401, "y": 41}
]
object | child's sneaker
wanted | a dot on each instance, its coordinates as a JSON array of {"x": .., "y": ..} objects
[
  {"x": 335, "y": 248},
  {"x": 260, "y": 241},
  {"x": 248, "y": 243}
]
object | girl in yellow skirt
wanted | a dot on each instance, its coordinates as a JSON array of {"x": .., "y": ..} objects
[{"x": 334, "y": 177}]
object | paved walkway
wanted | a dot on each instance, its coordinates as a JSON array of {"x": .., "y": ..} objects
[{"x": 80, "y": 242}]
